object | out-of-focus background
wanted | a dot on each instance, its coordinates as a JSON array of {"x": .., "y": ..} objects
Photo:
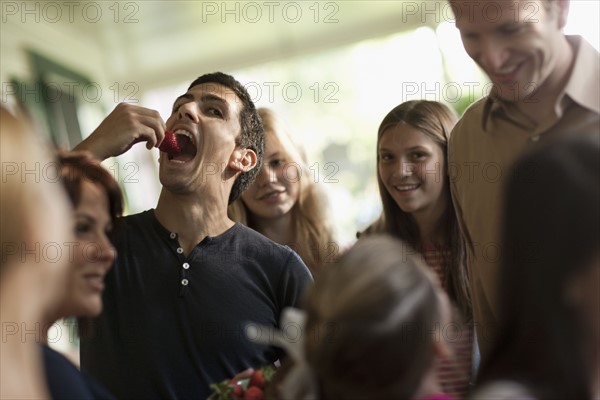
[{"x": 332, "y": 69}]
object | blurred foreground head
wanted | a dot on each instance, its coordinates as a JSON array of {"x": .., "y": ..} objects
[
  {"x": 371, "y": 322},
  {"x": 35, "y": 225},
  {"x": 549, "y": 333},
  {"x": 36, "y": 217}
]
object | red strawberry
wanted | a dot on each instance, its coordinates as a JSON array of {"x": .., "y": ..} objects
[
  {"x": 254, "y": 393},
  {"x": 238, "y": 391},
  {"x": 257, "y": 379},
  {"x": 169, "y": 144}
]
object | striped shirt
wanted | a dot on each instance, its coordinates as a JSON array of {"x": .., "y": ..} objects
[{"x": 454, "y": 371}]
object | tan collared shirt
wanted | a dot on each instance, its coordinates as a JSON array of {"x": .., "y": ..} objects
[{"x": 483, "y": 146}]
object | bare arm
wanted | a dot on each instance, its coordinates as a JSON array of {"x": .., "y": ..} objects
[{"x": 125, "y": 126}]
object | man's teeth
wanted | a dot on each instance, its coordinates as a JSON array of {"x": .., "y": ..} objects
[{"x": 184, "y": 133}]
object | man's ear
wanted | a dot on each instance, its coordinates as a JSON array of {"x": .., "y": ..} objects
[{"x": 242, "y": 160}]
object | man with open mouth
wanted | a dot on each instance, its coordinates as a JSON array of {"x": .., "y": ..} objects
[{"x": 187, "y": 280}]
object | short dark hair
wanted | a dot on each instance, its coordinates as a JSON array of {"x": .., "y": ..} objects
[{"x": 252, "y": 134}]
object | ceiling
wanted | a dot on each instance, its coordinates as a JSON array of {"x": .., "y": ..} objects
[{"x": 158, "y": 43}]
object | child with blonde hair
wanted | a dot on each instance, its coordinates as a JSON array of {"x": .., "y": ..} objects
[{"x": 284, "y": 203}]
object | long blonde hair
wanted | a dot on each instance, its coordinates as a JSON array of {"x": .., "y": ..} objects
[{"x": 312, "y": 232}]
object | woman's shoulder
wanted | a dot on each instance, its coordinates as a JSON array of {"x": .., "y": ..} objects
[
  {"x": 54, "y": 359},
  {"x": 65, "y": 380}
]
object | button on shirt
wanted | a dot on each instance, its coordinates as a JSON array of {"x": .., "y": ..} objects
[{"x": 174, "y": 323}]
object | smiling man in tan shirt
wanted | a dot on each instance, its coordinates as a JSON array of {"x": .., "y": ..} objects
[{"x": 545, "y": 85}]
